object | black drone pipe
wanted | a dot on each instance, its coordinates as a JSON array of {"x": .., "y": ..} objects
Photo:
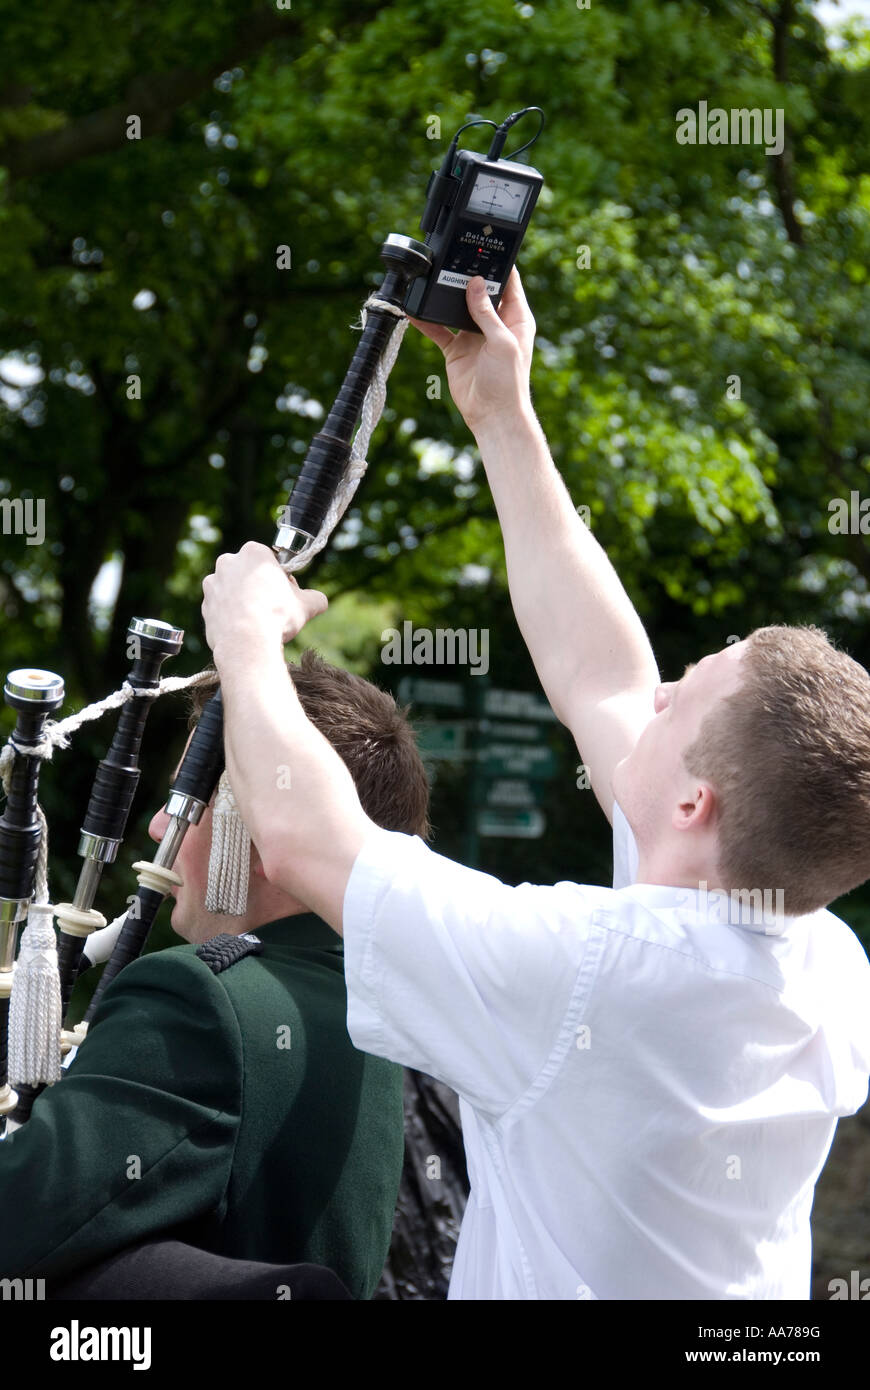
[
  {"x": 150, "y": 642},
  {"x": 326, "y": 460},
  {"x": 189, "y": 795}
]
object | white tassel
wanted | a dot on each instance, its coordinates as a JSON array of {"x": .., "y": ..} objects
[
  {"x": 35, "y": 1018},
  {"x": 230, "y": 859},
  {"x": 35, "y": 1006}
]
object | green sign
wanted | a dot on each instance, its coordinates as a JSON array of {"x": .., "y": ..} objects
[
  {"x": 510, "y": 792},
  {"x": 497, "y": 704},
  {"x": 420, "y": 691},
  {"x": 499, "y": 731},
  {"x": 517, "y": 760},
  {"x": 511, "y": 825},
  {"x": 517, "y": 704},
  {"x": 442, "y": 740}
]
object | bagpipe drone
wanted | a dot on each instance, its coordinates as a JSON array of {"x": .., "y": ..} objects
[{"x": 477, "y": 211}]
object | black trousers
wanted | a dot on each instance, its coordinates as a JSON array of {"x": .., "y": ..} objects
[{"x": 168, "y": 1269}]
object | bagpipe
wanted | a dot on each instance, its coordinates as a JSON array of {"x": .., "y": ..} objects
[{"x": 477, "y": 211}]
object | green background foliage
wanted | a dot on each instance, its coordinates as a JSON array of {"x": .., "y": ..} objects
[{"x": 308, "y": 127}]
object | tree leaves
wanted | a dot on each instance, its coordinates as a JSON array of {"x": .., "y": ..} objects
[{"x": 702, "y": 378}]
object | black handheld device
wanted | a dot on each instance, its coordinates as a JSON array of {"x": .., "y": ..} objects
[{"x": 477, "y": 210}]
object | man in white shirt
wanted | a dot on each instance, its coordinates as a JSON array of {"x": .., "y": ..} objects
[{"x": 650, "y": 1074}]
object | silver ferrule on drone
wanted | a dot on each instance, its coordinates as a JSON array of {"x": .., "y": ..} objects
[
  {"x": 183, "y": 811},
  {"x": 289, "y": 540}
]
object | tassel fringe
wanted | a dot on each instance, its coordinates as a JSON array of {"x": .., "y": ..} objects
[{"x": 230, "y": 860}]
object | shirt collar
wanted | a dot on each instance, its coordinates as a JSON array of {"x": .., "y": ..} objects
[{"x": 754, "y": 911}]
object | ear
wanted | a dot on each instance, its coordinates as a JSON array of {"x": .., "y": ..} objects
[{"x": 695, "y": 810}]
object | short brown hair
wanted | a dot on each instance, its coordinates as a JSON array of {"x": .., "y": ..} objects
[
  {"x": 371, "y": 734},
  {"x": 788, "y": 755}
]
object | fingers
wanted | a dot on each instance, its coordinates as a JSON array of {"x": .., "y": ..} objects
[
  {"x": 514, "y": 296},
  {"x": 514, "y": 308},
  {"x": 438, "y": 332},
  {"x": 315, "y": 602},
  {"x": 495, "y": 326},
  {"x": 480, "y": 307},
  {"x": 252, "y": 551}
]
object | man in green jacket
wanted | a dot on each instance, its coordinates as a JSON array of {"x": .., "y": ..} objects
[{"x": 217, "y": 1099}]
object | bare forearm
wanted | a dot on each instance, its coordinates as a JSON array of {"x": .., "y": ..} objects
[
  {"x": 295, "y": 794},
  {"x": 578, "y": 623}
]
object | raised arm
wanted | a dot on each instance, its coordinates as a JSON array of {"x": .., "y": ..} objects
[
  {"x": 589, "y": 647},
  {"x": 295, "y": 794}
]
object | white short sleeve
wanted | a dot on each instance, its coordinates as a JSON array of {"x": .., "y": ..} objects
[{"x": 456, "y": 974}]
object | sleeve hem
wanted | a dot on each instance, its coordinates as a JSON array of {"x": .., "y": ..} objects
[{"x": 368, "y": 878}]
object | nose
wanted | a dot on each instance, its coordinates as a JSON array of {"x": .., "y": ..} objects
[{"x": 158, "y": 825}]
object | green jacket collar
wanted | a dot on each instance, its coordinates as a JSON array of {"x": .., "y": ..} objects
[{"x": 303, "y": 929}]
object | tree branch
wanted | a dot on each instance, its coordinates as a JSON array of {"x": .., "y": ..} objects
[
  {"x": 154, "y": 98},
  {"x": 782, "y": 165}
]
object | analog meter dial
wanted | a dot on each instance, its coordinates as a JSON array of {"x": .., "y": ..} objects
[{"x": 496, "y": 197}]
